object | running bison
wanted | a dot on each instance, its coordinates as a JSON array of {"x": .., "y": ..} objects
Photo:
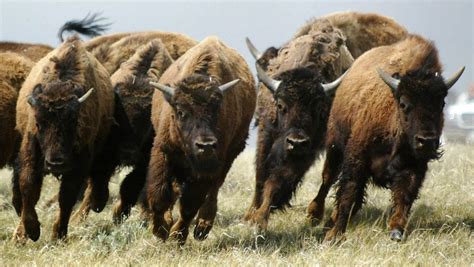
[
  {"x": 385, "y": 123},
  {"x": 132, "y": 86},
  {"x": 65, "y": 111},
  {"x": 201, "y": 118}
]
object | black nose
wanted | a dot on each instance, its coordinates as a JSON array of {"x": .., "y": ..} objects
[
  {"x": 55, "y": 161},
  {"x": 426, "y": 141},
  {"x": 205, "y": 144},
  {"x": 296, "y": 142}
]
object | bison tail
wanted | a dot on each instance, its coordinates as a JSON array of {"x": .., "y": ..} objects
[{"x": 92, "y": 25}]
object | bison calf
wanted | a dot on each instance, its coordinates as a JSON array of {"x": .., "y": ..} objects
[
  {"x": 201, "y": 119},
  {"x": 385, "y": 123}
]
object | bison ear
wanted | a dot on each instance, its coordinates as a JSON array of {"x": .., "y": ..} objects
[
  {"x": 453, "y": 79},
  {"x": 228, "y": 85},
  {"x": 330, "y": 88},
  {"x": 389, "y": 80},
  {"x": 168, "y": 92},
  {"x": 265, "y": 79},
  {"x": 32, "y": 98}
]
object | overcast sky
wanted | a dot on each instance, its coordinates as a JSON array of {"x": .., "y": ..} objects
[{"x": 447, "y": 22}]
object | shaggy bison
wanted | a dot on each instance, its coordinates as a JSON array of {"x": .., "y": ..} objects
[
  {"x": 201, "y": 117},
  {"x": 131, "y": 83},
  {"x": 385, "y": 123},
  {"x": 65, "y": 111}
]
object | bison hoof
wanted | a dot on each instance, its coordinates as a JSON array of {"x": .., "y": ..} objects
[
  {"x": 202, "y": 229},
  {"x": 32, "y": 230},
  {"x": 396, "y": 235},
  {"x": 333, "y": 237},
  {"x": 160, "y": 232}
]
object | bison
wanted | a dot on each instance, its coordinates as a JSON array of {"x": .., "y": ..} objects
[
  {"x": 385, "y": 124},
  {"x": 33, "y": 52},
  {"x": 132, "y": 85},
  {"x": 14, "y": 69},
  {"x": 65, "y": 112},
  {"x": 201, "y": 116}
]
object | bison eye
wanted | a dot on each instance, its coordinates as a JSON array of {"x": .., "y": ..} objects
[
  {"x": 181, "y": 114},
  {"x": 281, "y": 107}
]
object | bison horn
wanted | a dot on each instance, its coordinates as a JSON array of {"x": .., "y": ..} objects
[
  {"x": 228, "y": 85},
  {"x": 168, "y": 91},
  {"x": 389, "y": 80},
  {"x": 451, "y": 81},
  {"x": 330, "y": 88},
  {"x": 253, "y": 50},
  {"x": 85, "y": 96},
  {"x": 265, "y": 79}
]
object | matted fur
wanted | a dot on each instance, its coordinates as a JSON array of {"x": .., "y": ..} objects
[
  {"x": 32, "y": 51},
  {"x": 80, "y": 68},
  {"x": 362, "y": 31},
  {"x": 13, "y": 71}
]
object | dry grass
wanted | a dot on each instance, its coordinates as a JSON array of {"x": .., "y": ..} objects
[{"x": 440, "y": 232}]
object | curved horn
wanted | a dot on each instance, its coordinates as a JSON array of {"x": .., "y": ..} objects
[
  {"x": 168, "y": 91},
  {"x": 330, "y": 88},
  {"x": 265, "y": 79},
  {"x": 85, "y": 96},
  {"x": 228, "y": 85},
  {"x": 253, "y": 50},
  {"x": 453, "y": 79},
  {"x": 389, "y": 80}
]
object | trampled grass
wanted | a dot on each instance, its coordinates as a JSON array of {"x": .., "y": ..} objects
[{"x": 440, "y": 228}]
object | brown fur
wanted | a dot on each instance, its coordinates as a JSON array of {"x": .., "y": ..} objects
[
  {"x": 170, "y": 154},
  {"x": 13, "y": 71},
  {"x": 112, "y": 55},
  {"x": 32, "y": 51},
  {"x": 370, "y": 133},
  {"x": 362, "y": 31},
  {"x": 64, "y": 74}
]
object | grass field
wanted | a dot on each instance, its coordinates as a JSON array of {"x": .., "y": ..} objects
[{"x": 440, "y": 229}]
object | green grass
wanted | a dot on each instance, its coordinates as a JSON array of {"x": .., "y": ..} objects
[{"x": 440, "y": 228}]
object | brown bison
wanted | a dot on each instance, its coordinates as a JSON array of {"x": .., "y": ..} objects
[
  {"x": 112, "y": 55},
  {"x": 32, "y": 51},
  {"x": 14, "y": 69},
  {"x": 131, "y": 83},
  {"x": 65, "y": 112},
  {"x": 385, "y": 123},
  {"x": 114, "y": 49},
  {"x": 201, "y": 118}
]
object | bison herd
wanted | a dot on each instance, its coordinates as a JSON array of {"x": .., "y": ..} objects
[{"x": 357, "y": 87}]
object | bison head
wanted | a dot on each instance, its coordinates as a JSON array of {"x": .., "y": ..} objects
[
  {"x": 420, "y": 99},
  {"x": 56, "y": 111},
  {"x": 196, "y": 101},
  {"x": 302, "y": 105}
]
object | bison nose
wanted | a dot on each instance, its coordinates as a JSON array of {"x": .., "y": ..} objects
[
  {"x": 426, "y": 141},
  {"x": 205, "y": 145},
  {"x": 296, "y": 142}
]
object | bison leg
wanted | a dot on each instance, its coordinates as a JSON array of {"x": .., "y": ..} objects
[
  {"x": 160, "y": 193},
  {"x": 68, "y": 193},
  {"x": 261, "y": 215},
  {"x": 30, "y": 182},
  {"x": 264, "y": 143},
  {"x": 192, "y": 198},
  {"x": 207, "y": 213},
  {"x": 349, "y": 199},
  {"x": 16, "y": 194},
  {"x": 331, "y": 169},
  {"x": 129, "y": 191},
  {"x": 405, "y": 191}
]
